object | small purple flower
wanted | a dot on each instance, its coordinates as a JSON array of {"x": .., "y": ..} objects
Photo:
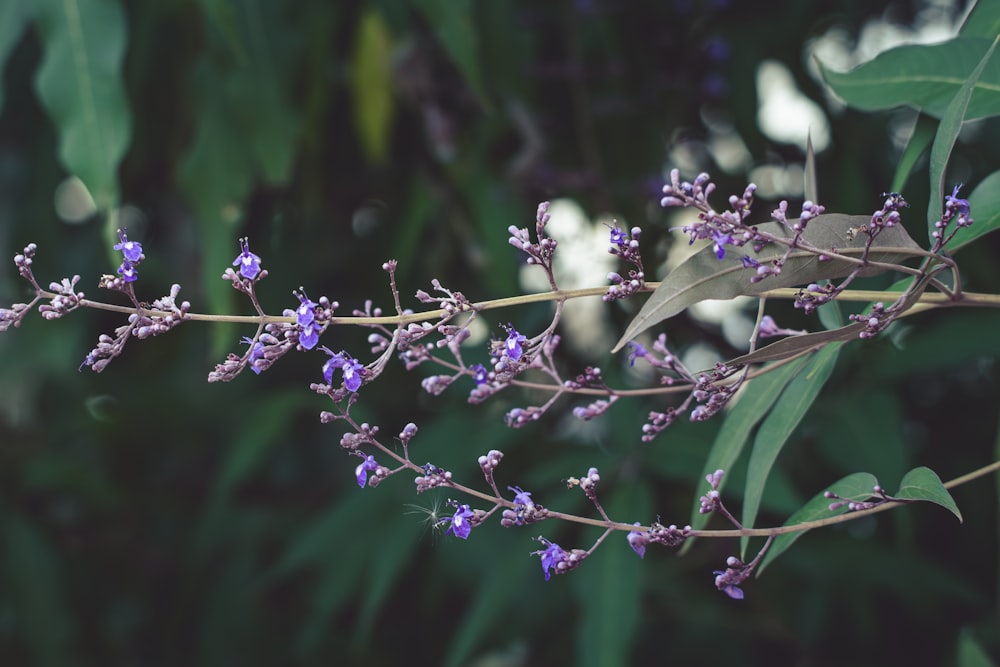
[
  {"x": 460, "y": 525},
  {"x": 720, "y": 242},
  {"x": 131, "y": 250},
  {"x": 367, "y": 466},
  {"x": 256, "y": 354},
  {"x": 306, "y": 312},
  {"x": 513, "y": 343},
  {"x": 350, "y": 367},
  {"x": 637, "y": 351},
  {"x": 618, "y": 237},
  {"x": 128, "y": 271},
  {"x": 552, "y": 555},
  {"x": 248, "y": 262},
  {"x": 960, "y": 205},
  {"x": 521, "y": 497},
  {"x": 309, "y": 336},
  {"x": 749, "y": 262},
  {"x": 479, "y": 374},
  {"x": 732, "y": 590},
  {"x": 638, "y": 542}
]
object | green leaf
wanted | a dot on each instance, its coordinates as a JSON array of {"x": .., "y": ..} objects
[
  {"x": 924, "y": 484},
  {"x": 80, "y": 85},
  {"x": 982, "y": 21},
  {"x": 925, "y": 77},
  {"x": 372, "y": 86},
  {"x": 35, "y": 591},
  {"x": 795, "y": 401},
  {"x": 610, "y": 595},
  {"x": 923, "y": 133},
  {"x": 752, "y": 403},
  {"x": 969, "y": 652},
  {"x": 793, "y": 345},
  {"x": 955, "y": 114},
  {"x": 453, "y": 23},
  {"x": 811, "y": 187},
  {"x": 14, "y": 18},
  {"x": 857, "y": 487},
  {"x": 703, "y": 276},
  {"x": 984, "y": 203}
]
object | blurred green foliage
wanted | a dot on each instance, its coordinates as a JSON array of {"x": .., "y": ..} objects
[{"x": 147, "y": 517}]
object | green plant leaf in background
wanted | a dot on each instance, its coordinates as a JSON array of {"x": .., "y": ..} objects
[
  {"x": 752, "y": 403},
  {"x": 921, "y": 138},
  {"x": 371, "y": 85},
  {"x": 970, "y": 653},
  {"x": 925, "y": 77},
  {"x": 857, "y": 486},
  {"x": 14, "y": 18},
  {"x": 703, "y": 276},
  {"x": 957, "y": 112},
  {"x": 924, "y": 484},
  {"x": 983, "y": 20},
  {"x": 777, "y": 428},
  {"x": 453, "y": 23},
  {"x": 80, "y": 85}
]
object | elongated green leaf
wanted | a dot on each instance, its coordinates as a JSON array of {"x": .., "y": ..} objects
[
  {"x": 811, "y": 187},
  {"x": 610, "y": 596},
  {"x": 984, "y": 203},
  {"x": 774, "y": 432},
  {"x": 14, "y": 18},
  {"x": 857, "y": 487},
  {"x": 924, "y": 484},
  {"x": 703, "y": 276},
  {"x": 453, "y": 22},
  {"x": 793, "y": 345},
  {"x": 982, "y": 21},
  {"x": 923, "y": 134},
  {"x": 33, "y": 586},
  {"x": 754, "y": 401},
  {"x": 371, "y": 85},
  {"x": 970, "y": 653},
  {"x": 957, "y": 111},
  {"x": 925, "y": 77},
  {"x": 80, "y": 85}
]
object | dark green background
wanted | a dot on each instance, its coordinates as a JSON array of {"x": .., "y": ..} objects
[{"x": 148, "y": 518}]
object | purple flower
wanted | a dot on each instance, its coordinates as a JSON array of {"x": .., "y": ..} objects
[
  {"x": 131, "y": 250},
  {"x": 720, "y": 241},
  {"x": 952, "y": 202},
  {"x": 552, "y": 555},
  {"x": 460, "y": 525},
  {"x": 479, "y": 374},
  {"x": 248, "y": 262},
  {"x": 637, "y": 351},
  {"x": 638, "y": 541},
  {"x": 309, "y": 336},
  {"x": 128, "y": 271},
  {"x": 367, "y": 466},
  {"x": 256, "y": 354},
  {"x": 618, "y": 237},
  {"x": 521, "y": 497},
  {"x": 350, "y": 367},
  {"x": 513, "y": 343},
  {"x": 306, "y": 312}
]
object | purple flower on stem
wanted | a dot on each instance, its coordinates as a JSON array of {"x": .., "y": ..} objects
[
  {"x": 618, "y": 237},
  {"x": 306, "y": 312},
  {"x": 720, "y": 242},
  {"x": 309, "y": 336},
  {"x": 131, "y": 250},
  {"x": 367, "y": 466},
  {"x": 248, "y": 262},
  {"x": 521, "y": 497},
  {"x": 256, "y": 354},
  {"x": 513, "y": 343},
  {"x": 350, "y": 367},
  {"x": 637, "y": 351},
  {"x": 460, "y": 525},
  {"x": 552, "y": 555},
  {"x": 638, "y": 541},
  {"x": 128, "y": 271},
  {"x": 952, "y": 202},
  {"x": 479, "y": 374}
]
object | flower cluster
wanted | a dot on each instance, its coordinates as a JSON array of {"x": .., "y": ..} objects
[{"x": 131, "y": 256}]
